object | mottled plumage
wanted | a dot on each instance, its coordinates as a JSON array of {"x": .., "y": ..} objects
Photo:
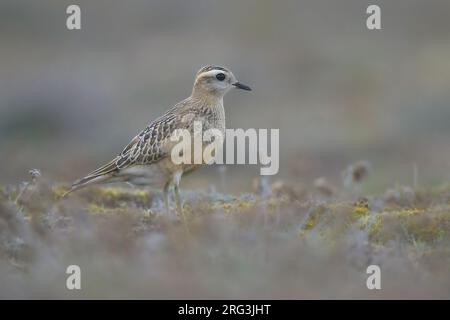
[{"x": 146, "y": 160}]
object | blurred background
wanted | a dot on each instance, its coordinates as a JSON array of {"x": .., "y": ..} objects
[{"x": 338, "y": 92}]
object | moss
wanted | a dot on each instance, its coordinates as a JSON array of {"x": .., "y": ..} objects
[
  {"x": 360, "y": 211},
  {"x": 424, "y": 218},
  {"x": 58, "y": 191},
  {"x": 375, "y": 225},
  {"x": 314, "y": 217},
  {"x": 116, "y": 197},
  {"x": 96, "y": 209},
  {"x": 428, "y": 228},
  {"x": 412, "y": 225},
  {"x": 236, "y": 205}
]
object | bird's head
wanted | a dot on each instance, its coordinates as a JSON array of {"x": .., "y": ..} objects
[{"x": 217, "y": 81}]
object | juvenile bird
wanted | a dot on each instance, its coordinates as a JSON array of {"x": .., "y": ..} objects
[{"x": 146, "y": 160}]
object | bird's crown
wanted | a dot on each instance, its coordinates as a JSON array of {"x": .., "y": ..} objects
[
  {"x": 215, "y": 81},
  {"x": 211, "y": 68}
]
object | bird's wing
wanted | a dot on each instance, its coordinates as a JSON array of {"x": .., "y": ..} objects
[
  {"x": 153, "y": 143},
  {"x": 150, "y": 146}
]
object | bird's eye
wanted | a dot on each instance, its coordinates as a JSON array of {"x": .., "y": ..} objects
[{"x": 220, "y": 76}]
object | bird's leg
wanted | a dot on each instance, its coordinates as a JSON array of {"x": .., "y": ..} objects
[
  {"x": 180, "y": 207},
  {"x": 166, "y": 197},
  {"x": 176, "y": 182},
  {"x": 178, "y": 201}
]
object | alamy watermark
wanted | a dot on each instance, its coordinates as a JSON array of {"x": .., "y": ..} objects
[
  {"x": 73, "y": 21},
  {"x": 241, "y": 146},
  {"x": 374, "y": 280},
  {"x": 73, "y": 281}
]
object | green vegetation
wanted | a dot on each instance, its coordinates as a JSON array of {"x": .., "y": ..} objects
[{"x": 232, "y": 246}]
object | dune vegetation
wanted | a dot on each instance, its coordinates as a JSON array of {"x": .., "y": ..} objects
[{"x": 278, "y": 241}]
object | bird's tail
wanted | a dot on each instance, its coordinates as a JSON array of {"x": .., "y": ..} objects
[{"x": 100, "y": 175}]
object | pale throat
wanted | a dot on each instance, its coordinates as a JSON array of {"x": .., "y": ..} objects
[
  {"x": 209, "y": 98},
  {"x": 213, "y": 102}
]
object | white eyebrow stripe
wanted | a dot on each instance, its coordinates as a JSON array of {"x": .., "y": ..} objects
[
  {"x": 212, "y": 67},
  {"x": 212, "y": 73}
]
